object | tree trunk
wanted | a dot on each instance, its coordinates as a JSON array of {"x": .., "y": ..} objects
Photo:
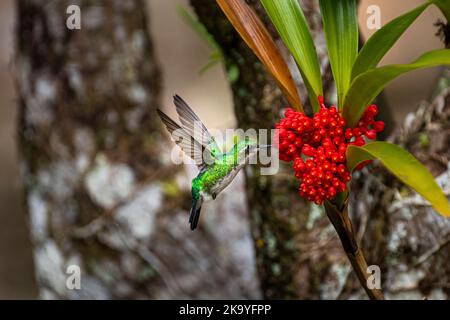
[
  {"x": 100, "y": 190},
  {"x": 297, "y": 250}
]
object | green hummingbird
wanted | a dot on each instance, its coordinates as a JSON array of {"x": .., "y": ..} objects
[{"x": 217, "y": 168}]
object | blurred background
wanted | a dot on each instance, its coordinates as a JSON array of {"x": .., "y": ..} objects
[{"x": 181, "y": 53}]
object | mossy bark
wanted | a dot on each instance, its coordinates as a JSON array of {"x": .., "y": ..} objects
[
  {"x": 298, "y": 253},
  {"x": 84, "y": 109},
  {"x": 101, "y": 192}
]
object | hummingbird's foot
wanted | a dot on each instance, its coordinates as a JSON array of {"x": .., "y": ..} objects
[{"x": 214, "y": 195}]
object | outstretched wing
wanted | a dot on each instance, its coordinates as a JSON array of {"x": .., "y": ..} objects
[
  {"x": 194, "y": 126},
  {"x": 184, "y": 140}
]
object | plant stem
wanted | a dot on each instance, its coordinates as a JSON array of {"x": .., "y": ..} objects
[{"x": 341, "y": 222}]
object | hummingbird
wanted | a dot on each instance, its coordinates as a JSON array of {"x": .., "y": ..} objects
[{"x": 216, "y": 168}]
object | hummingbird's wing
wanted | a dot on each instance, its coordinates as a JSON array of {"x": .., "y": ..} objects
[
  {"x": 194, "y": 126},
  {"x": 184, "y": 140}
]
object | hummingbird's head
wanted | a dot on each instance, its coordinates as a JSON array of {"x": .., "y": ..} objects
[{"x": 246, "y": 148}]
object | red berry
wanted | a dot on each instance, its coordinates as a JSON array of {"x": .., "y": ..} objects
[
  {"x": 321, "y": 101},
  {"x": 288, "y": 112},
  {"x": 299, "y": 165},
  {"x": 308, "y": 151},
  {"x": 356, "y": 132},
  {"x": 284, "y": 145},
  {"x": 336, "y": 183},
  {"x": 346, "y": 176},
  {"x": 378, "y": 126},
  {"x": 371, "y": 134},
  {"x": 348, "y": 134},
  {"x": 362, "y": 164},
  {"x": 317, "y": 138},
  {"x": 332, "y": 192},
  {"x": 359, "y": 141},
  {"x": 337, "y": 140},
  {"x": 335, "y": 157},
  {"x": 324, "y": 138},
  {"x": 298, "y": 143},
  {"x": 291, "y": 136},
  {"x": 372, "y": 110},
  {"x": 309, "y": 164},
  {"x": 291, "y": 149}
]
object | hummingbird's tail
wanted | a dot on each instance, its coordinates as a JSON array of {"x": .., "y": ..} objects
[{"x": 195, "y": 212}]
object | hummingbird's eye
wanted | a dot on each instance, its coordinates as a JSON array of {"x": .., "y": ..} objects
[{"x": 246, "y": 150}]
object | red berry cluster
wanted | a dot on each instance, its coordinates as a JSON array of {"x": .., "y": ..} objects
[{"x": 317, "y": 148}]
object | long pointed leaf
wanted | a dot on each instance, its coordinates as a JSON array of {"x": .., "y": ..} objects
[
  {"x": 382, "y": 40},
  {"x": 341, "y": 32},
  {"x": 289, "y": 20},
  {"x": 368, "y": 85},
  {"x": 405, "y": 167},
  {"x": 256, "y": 36}
]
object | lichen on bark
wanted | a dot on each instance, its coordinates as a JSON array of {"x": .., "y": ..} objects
[
  {"x": 100, "y": 189},
  {"x": 296, "y": 248}
]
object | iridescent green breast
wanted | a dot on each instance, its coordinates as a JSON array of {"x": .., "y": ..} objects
[{"x": 210, "y": 177}]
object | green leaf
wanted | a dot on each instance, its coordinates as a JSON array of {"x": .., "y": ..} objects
[
  {"x": 405, "y": 167},
  {"x": 341, "y": 32},
  {"x": 289, "y": 20},
  {"x": 382, "y": 40},
  {"x": 254, "y": 33},
  {"x": 369, "y": 84}
]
